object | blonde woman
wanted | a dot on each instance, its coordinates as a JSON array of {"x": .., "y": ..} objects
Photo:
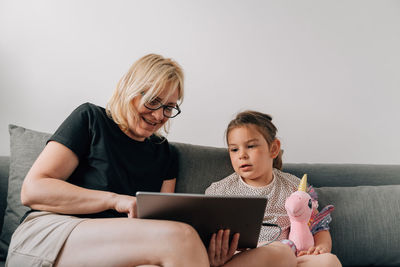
[{"x": 82, "y": 187}]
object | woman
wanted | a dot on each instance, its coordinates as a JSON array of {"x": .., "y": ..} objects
[{"x": 82, "y": 186}]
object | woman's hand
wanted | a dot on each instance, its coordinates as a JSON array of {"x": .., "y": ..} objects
[
  {"x": 219, "y": 251},
  {"x": 314, "y": 251},
  {"x": 126, "y": 204}
]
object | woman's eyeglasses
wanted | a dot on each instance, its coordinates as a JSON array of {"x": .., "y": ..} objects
[{"x": 168, "y": 110}]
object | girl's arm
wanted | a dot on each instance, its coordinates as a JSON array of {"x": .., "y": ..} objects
[
  {"x": 323, "y": 240},
  {"x": 322, "y": 244},
  {"x": 45, "y": 187}
]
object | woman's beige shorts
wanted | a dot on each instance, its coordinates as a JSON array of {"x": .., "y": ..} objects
[{"x": 39, "y": 239}]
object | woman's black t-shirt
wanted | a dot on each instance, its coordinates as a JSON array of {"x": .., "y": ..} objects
[{"x": 109, "y": 160}]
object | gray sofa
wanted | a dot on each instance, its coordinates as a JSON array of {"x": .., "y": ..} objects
[{"x": 364, "y": 229}]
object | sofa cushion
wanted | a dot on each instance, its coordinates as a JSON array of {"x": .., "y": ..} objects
[
  {"x": 25, "y": 147},
  {"x": 367, "y": 217},
  {"x": 199, "y": 166}
]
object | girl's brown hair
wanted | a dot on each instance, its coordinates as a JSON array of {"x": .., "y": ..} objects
[{"x": 263, "y": 123}]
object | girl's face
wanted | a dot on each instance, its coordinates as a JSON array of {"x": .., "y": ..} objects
[
  {"x": 251, "y": 156},
  {"x": 150, "y": 120}
]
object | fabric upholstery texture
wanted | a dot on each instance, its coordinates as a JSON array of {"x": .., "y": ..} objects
[
  {"x": 367, "y": 217},
  {"x": 25, "y": 147},
  {"x": 4, "y": 163},
  {"x": 347, "y": 175},
  {"x": 199, "y": 166}
]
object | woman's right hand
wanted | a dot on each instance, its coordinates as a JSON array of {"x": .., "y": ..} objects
[
  {"x": 219, "y": 250},
  {"x": 126, "y": 204}
]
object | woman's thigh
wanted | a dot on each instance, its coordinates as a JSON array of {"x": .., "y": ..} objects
[
  {"x": 275, "y": 254},
  {"x": 131, "y": 242}
]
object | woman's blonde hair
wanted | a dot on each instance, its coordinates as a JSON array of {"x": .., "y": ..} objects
[
  {"x": 263, "y": 123},
  {"x": 149, "y": 75}
]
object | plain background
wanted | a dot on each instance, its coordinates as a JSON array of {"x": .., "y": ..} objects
[{"x": 328, "y": 71}]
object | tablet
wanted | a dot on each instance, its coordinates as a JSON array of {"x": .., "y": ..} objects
[{"x": 207, "y": 214}]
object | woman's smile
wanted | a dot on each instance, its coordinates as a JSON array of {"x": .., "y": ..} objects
[{"x": 149, "y": 122}]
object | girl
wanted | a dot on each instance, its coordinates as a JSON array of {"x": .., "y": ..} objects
[{"x": 256, "y": 157}]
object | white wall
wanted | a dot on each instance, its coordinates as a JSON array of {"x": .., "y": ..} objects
[{"x": 328, "y": 71}]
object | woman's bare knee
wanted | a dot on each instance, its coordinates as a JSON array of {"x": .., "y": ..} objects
[
  {"x": 330, "y": 260},
  {"x": 275, "y": 254},
  {"x": 183, "y": 243},
  {"x": 326, "y": 259},
  {"x": 281, "y": 254},
  {"x": 179, "y": 231}
]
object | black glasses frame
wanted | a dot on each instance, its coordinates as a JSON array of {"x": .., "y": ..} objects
[{"x": 161, "y": 105}]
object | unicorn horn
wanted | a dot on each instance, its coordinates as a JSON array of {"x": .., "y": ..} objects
[{"x": 303, "y": 184}]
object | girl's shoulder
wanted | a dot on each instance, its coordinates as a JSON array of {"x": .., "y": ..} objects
[
  {"x": 293, "y": 182},
  {"x": 287, "y": 178},
  {"x": 220, "y": 187}
]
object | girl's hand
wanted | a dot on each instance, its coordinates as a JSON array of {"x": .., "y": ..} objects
[
  {"x": 219, "y": 251},
  {"x": 314, "y": 251},
  {"x": 126, "y": 204},
  {"x": 323, "y": 244}
]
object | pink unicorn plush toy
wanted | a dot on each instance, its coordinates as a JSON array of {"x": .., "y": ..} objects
[
  {"x": 305, "y": 220},
  {"x": 299, "y": 207}
]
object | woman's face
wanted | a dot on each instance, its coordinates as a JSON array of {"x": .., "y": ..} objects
[{"x": 150, "y": 120}]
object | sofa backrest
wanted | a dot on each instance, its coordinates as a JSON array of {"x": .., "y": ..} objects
[
  {"x": 199, "y": 166},
  {"x": 202, "y": 165},
  {"x": 4, "y": 167}
]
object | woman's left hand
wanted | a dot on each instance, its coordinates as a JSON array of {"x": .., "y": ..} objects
[{"x": 313, "y": 251}]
